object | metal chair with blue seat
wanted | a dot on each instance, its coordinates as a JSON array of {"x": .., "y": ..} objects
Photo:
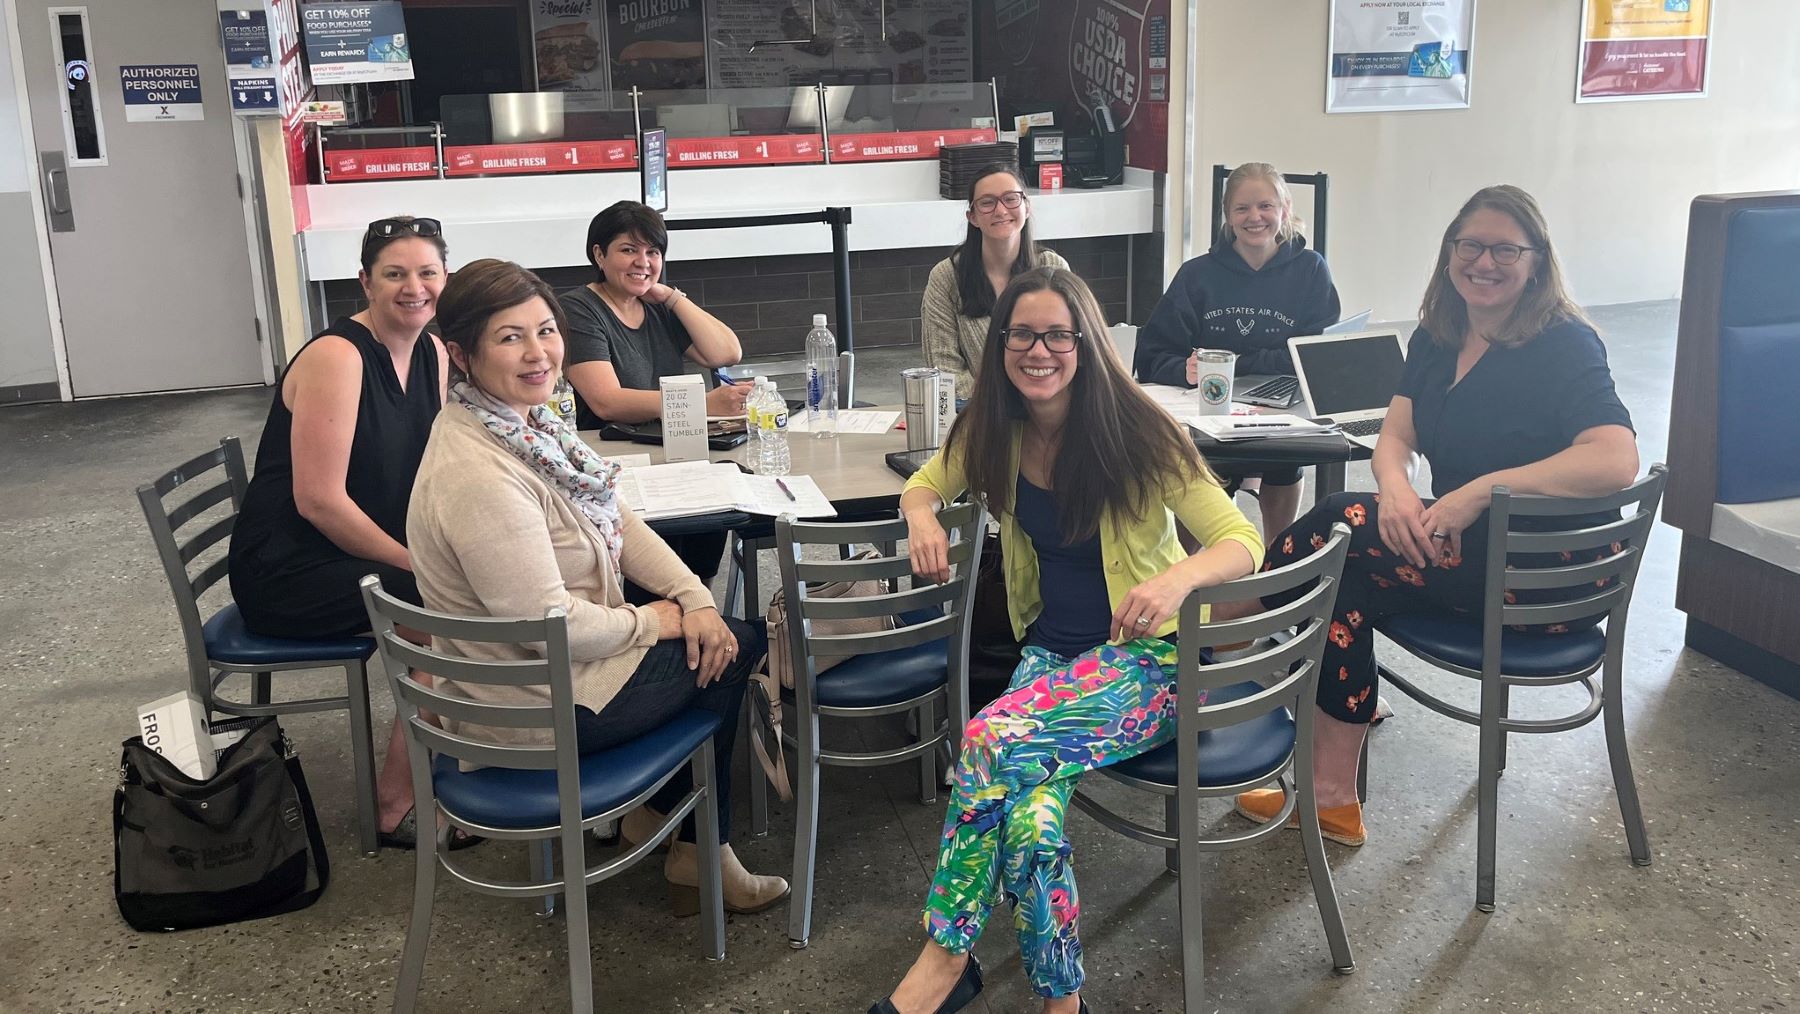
[
  {"x": 1485, "y": 649},
  {"x": 911, "y": 669},
  {"x": 1240, "y": 724},
  {"x": 220, "y": 647},
  {"x": 543, "y": 794}
]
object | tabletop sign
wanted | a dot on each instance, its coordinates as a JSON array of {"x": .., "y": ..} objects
[
  {"x": 653, "y": 175},
  {"x": 684, "y": 418},
  {"x": 768, "y": 149},
  {"x": 547, "y": 157},
  {"x": 161, "y": 92},
  {"x": 907, "y": 144},
  {"x": 380, "y": 164}
]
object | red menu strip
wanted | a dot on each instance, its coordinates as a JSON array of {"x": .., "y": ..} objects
[
  {"x": 346, "y": 165},
  {"x": 769, "y": 149},
  {"x": 545, "y": 157},
  {"x": 894, "y": 147}
]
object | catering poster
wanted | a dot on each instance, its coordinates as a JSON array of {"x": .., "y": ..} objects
[
  {"x": 656, "y": 45},
  {"x": 566, "y": 38},
  {"x": 1394, "y": 55},
  {"x": 1643, "y": 49},
  {"x": 352, "y": 43}
]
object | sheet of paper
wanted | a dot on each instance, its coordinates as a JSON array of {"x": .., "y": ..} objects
[
  {"x": 1179, "y": 402},
  {"x": 682, "y": 489},
  {"x": 852, "y": 420},
  {"x": 1256, "y": 427},
  {"x": 761, "y": 494}
]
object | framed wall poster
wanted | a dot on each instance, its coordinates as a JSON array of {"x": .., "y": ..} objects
[
  {"x": 1384, "y": 57},
  {"x": 1644, "y": 49}
]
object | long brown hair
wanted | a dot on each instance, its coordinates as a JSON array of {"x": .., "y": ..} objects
[
  {"x": 1119, "y": 451},
  {"x": 1545, "y": 301}
]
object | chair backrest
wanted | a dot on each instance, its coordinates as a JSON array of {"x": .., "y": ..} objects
[
  {"x": 963, "y": 522},
  {"x": 1608, "y": 580},
  {"x": 1288, "y": 671},
  {"x": 223, "y": 465},
  {"x": 401, "y": 659}
]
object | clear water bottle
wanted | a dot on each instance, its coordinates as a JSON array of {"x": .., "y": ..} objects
[
  {"x": 821, "y": 379},
  {"x": 750, "y": 418},
  {"x": 773, "y": 457}
]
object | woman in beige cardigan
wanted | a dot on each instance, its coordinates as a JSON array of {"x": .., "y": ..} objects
[
  {"x": 960, "y": 293},
  {"x": 511, "y": 514}
]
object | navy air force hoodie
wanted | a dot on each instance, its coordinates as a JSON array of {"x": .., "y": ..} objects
[{"x": 1218, "y": 302}]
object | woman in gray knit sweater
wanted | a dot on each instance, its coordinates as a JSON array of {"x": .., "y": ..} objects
[{"x": 960, "y": 294}]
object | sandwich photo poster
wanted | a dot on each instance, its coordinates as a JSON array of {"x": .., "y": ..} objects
[
  {"x": 566, "y": 38},
  {"x": 1644, "y": 49},
  {"x": 657, "y": 45},
  {"x": 1388, "y": 57}
]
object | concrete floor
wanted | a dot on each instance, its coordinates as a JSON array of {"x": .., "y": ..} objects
[{"x": 87, "y": 633}]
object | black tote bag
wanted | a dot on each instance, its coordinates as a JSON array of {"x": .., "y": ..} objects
[{"x": 237, "y": 846}]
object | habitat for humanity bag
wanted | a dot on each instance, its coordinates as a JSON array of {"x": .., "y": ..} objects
[{"x": 237, "y": 846}]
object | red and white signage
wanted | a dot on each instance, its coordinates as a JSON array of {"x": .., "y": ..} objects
[
  {"x": 894, "y": 147},
  {"x": 345, "y": 166},
  {"x": 548, "y": 157},
  {"x": 771, "y": 149}
]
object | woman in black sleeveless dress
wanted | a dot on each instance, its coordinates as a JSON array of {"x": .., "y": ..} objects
[{"x": 335, "y": 467}]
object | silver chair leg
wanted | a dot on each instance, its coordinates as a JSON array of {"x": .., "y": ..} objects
[
  {"x": 752, "y": 582},
  {"x": 540, "y": 854},
  {"x": 806, "y": 828},
  {"x": 418, "y": 929},
  {"x": 1505, "y": 710},
  {"x": 1613, "y": 714},
  {"x": 1172, "y": 825},
  {"x": 261, "y": 687},
  {"x": 733, "y": 575},
  {"x": 575, "y": 914},
  {"x": 362, "y": 757},
  {"x": 759, "y": 782},
  {"x": 927, "y": 718},
  {"x": 1324, "y": 889},
  {"x": 1187, "y": 889},
  {"x": 706, "y": 836},
  {"x": 1362, "y": 770},
  {"x": 1487, "y": 793}
]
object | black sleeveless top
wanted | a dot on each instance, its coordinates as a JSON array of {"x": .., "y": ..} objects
[{"x": 271, "y": 542}]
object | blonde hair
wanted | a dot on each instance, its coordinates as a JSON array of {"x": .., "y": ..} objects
[
  {"x": 1291, "y": 225},
  {"x": 1545, "y": 301}
]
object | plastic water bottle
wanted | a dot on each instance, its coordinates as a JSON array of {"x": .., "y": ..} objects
[
  {"x": 821, "y": 379},
  {"x": 773, "y": 457},
  {"x": 750, "y": 419}
]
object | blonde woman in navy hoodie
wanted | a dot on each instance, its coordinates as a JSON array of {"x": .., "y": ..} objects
[{"x": 1256, "y": 288}]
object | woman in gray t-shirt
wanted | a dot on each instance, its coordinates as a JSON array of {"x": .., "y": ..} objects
[{"x": 627, "y": 330}]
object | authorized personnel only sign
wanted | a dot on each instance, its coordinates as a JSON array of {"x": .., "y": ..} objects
[{"x": 161, "y": 92}]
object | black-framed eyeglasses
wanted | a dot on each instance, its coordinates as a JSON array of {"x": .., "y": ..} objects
[
  {"x": 1021, "y": 339},
  {"x": 1503, "y": 253},
  {"x": 1011, "y": 199},
  {"x": 388, "y": 228}
]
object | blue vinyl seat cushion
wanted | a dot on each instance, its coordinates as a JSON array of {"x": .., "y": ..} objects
[
  {"x": 515, "y": 798},
  {"x": 1458, "y": 641},
  {"x": 1245, "y": 752},
  {"x": 227, "y": 640},
  {"x": 882, "y": 677}
]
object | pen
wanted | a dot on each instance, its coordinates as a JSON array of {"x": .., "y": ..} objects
[
  {"x": 1245, "y": 426},
  {"x": 784, "y": 489},
  {"x": 724, "y": 378}
]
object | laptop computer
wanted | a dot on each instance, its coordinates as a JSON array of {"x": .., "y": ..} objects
[
  {"x": 1283, "y": 390},
  {"x": 1349, "y": 379}
]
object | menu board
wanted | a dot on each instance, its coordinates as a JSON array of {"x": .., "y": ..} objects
[
  {"x": 656, "y": 45},
  {"x": 917, "y": 41}
]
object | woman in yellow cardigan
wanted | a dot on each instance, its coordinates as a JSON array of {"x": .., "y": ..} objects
[{"x": 1087, "y": 477}]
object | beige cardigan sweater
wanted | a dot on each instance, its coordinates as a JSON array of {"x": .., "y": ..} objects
[
  {"x": 489, "y": 537},
  {"x": 953, "y": 342}
]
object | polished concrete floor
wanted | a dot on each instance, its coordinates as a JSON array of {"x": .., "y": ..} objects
[{"x": 87, "y": 633}]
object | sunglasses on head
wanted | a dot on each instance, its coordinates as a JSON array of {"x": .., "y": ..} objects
[{"x": 388, "y": 228}]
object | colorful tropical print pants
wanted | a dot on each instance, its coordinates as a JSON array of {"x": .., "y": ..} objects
[
  {"x": 1379, "y": 583},
  {"x": 1021, "y": 759}
]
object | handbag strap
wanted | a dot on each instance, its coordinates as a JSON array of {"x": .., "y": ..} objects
[
  {"x": 768, "y": 712},
  {"x": 314, "y": 840}
]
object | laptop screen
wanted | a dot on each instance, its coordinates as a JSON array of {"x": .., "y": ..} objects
[{"x": 1351, "y": 374}]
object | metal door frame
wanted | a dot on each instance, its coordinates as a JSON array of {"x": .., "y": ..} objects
[{"x": 9, "y": 12}]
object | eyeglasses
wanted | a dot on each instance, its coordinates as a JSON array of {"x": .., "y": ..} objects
[
  {"x": 388, "y": 228},
  {"x": 1503, "y": 253},
  {"x": 1021, "y": 339},
  {"x": 1011, "y": 199}
]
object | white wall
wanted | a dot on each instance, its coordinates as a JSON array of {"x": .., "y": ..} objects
[
  {"x": 27, "y": 354},
  {"x": 1615, "y": 179}
]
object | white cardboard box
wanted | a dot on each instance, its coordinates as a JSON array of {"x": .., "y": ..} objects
[
  {"x": 684, "y": 418},
  {"x": 175, "y": 726}
]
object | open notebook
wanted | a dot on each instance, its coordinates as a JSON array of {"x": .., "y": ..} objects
[{"x": 688, "y": 488}]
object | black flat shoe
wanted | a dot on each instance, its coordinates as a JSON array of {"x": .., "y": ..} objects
[
  {"x": 967, "y": 988},
  {"x": 405, "y": 835}
]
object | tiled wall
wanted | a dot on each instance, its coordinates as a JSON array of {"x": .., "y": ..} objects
[{"x": 769, "y": 301}]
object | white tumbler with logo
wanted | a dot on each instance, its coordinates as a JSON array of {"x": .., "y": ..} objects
[{"x": 1212, "y": 387}]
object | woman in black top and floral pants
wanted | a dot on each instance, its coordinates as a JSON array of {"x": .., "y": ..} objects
[{"x": 1506, "y": 384}]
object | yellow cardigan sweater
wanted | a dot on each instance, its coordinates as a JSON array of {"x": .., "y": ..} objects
[{"x": 1131, "y": 552}]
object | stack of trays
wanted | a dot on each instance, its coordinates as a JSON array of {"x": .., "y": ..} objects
[{"x": 958, "y": 164}]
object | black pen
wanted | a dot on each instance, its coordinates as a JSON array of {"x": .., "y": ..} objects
[
  {"x": 790, "y": 493},
  {"x": 1245, "y": 426}
]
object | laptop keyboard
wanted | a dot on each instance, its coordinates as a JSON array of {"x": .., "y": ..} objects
[
  {"x": 1283, "y": 389},
  {"x": 1361, "y": 427}
]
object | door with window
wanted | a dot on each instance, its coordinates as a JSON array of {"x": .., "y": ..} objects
[{"x": 147, "y": 228}]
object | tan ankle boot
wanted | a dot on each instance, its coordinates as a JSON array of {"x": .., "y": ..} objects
[
  {"x": 640, "y": 824},
  {"x": 745, "y": 892}
]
